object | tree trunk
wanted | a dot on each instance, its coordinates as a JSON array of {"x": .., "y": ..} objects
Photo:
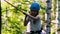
[
  {"x": 58, "y": 16},
  {"x": 48, "y": 11}
]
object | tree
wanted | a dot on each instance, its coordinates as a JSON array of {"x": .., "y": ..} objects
[{"x": 48, "y": 31}]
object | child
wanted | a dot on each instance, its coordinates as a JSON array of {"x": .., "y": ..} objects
[{"x": 33, "y": 20}]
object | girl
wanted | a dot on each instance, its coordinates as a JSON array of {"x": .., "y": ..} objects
[{"x": 32, "y": 20}]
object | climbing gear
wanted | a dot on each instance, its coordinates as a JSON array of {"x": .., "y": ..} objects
[{"x": 35, "y": 6}]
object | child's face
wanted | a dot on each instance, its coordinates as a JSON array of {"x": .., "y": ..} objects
[{"x": 33, "y": 13}]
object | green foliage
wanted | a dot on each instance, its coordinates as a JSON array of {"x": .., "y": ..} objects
[{"x": 15, "y": 18}]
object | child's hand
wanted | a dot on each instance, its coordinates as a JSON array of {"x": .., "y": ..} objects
[{"x": 25, "y": 13}]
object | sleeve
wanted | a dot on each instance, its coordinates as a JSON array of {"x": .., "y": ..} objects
[
  {"x": 38, "y": 16},
  {"x": 27, "y": 18}
]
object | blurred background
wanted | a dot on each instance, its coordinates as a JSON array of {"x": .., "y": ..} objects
[{"x": 13, "y": 20}]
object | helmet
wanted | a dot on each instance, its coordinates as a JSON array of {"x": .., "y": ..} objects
[{"x": 35, "y": 6}]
